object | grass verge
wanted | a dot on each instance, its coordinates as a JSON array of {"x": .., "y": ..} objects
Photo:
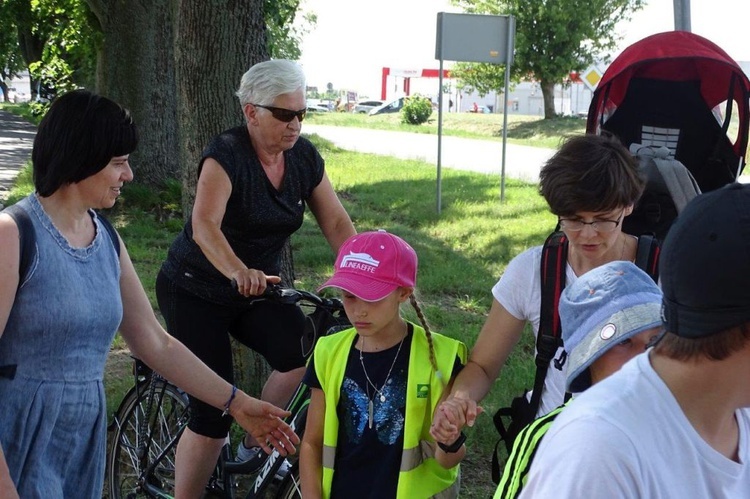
[{"x": 524, "y": 130}]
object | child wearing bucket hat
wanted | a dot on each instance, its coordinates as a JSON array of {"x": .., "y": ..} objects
[
  {"x": 608, "y": 317},
  {"x": 375, "y": 386},
  {"x": 676, "y": 421}
]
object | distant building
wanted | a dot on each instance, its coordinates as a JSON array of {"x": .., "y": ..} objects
[
  {"x": 526, "y": 98},
  {"x": 19, "y": 88}
]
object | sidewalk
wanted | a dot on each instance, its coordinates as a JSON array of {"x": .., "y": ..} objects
[
  {"x": 16, "y": 142},
  {"x": 484, "y": 156}
]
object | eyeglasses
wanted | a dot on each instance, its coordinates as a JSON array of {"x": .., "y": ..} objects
[
  {"x": 575, "y": 225},
  {"x": 285, "y": 115}
]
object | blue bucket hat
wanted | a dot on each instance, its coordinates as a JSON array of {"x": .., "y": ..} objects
[{"x": 602, "y": 308}]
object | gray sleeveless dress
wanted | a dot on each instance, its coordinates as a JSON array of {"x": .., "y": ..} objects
[{"x": 52, "y": 413}]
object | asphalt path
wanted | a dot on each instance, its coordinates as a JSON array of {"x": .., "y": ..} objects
[
  {"x": 16, "y": 142},
  {"x": 484, "y": 156}
]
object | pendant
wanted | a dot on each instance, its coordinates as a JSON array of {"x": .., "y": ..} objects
[
  {"x": 382, "y": 398},
  {"x": 369, "y": 413}
]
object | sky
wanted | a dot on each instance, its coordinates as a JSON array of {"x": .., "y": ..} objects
[{"x": 355, "y": 39}]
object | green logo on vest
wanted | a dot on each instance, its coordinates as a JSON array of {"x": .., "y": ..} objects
[{"x": 423, "y": 391}]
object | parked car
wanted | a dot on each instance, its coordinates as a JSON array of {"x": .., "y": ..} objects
[
  {"x": 390, "y": 107},
  {"x": 318, "y": 108},
  {"x": 365, "y": 106}
]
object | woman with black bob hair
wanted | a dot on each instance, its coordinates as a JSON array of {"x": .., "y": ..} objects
[{"x": 57, "y": 321}]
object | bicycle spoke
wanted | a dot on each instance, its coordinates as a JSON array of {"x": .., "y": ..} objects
[{"x": 126, "y": 466}]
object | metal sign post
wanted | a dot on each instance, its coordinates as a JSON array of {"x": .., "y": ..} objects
[
  {"x": 474, "y": 38},
  {"x": 681, "y": 15}
]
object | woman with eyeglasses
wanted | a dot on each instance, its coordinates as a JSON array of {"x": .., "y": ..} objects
[
  {"x": 591, "y": 183},
  {"x": 254, "y": 182}
]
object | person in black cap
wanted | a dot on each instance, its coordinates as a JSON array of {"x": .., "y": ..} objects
[{"x": 675, "y": 421}]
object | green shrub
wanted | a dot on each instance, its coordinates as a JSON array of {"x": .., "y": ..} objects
[{"x": 416, "y": 110}]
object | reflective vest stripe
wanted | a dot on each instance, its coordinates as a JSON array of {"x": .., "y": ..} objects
[
  {"x": 329, "y": 456},
  {"x": 411, "y": 458}
]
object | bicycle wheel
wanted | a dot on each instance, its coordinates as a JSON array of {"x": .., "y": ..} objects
[
  {"x": 123, "y": 465},
  {"x": 291, "y": 487}
]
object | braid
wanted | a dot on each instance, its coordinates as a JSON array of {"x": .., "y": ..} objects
[{"x": 423, "y": 321}]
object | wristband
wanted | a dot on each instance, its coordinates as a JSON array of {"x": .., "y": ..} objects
[
  {"x": 455, "y": 446},
  {"x": 229, "y": 402}
]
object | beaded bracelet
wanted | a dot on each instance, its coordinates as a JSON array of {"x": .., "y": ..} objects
[{"x": 229, "y": 402}]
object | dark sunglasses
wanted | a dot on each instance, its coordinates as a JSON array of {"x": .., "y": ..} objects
[{"x": 285, "y": 115}]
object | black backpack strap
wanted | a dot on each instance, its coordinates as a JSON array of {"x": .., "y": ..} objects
[
  {"x": 549, "y": 337},
  {"x": 522, "y": 411},
  {"x": 27, "y": 239},
  {"x": 111, "y": 231},
  {"x": 647, "y": 255}
]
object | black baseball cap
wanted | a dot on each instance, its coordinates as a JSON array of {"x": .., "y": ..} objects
[{"x": 705, "y": 264}]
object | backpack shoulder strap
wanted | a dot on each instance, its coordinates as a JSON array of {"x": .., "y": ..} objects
[
  {"x": 680, "y": 182},
  {"x": 27, "y": 239},
  {"x": 549, "y": 337},
  {"x": 111, "y": 231},
  {"x": 647, "y": 255}
]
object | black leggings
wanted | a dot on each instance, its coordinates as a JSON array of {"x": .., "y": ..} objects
[{"x": 273, "y": 330}]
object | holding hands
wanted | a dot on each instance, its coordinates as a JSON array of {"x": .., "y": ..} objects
[{"x": 452, "y": 415}]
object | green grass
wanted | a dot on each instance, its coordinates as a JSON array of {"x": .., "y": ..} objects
[
  {"x": 525, "y": 130},
  {"x": 462, "y": 253},
  {"x": 22, "y": 110}
]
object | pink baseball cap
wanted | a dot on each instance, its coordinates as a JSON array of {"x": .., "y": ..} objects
[{"x": 371, "y": 265}]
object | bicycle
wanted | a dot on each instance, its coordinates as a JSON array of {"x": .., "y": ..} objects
[{"x": 153, "y": 414}]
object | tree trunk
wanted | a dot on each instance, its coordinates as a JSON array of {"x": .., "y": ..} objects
[
  {"x": 548, "y": 92},
  {"x": 29, "y": 42},
  {"x": 136, "y": 68},
  {"x": 216, "y": 42}
]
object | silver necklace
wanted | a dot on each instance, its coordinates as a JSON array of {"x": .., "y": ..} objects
[{"x": 371, "y": 384}]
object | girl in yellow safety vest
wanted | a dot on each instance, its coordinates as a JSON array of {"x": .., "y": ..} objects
[{"x": 375, "y": 386}]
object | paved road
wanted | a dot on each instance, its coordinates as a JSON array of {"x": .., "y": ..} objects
[
  {"x": 16, "y": 141},
  {"x": 521, "y": 162}
]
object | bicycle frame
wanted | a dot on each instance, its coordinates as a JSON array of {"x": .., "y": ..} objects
[{"x": 298, "y": 408}]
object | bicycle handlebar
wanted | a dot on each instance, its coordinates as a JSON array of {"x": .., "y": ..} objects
[{"x": 290, "y": 296}]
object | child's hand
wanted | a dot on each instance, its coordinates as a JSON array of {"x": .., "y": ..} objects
[{"x": 451, "y": 416}]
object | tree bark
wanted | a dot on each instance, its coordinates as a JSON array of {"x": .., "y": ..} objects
[
  {"x": 136, "y": 69},
  {"x": 216, "y": 42},
  {"x": 548, "y": 93}
]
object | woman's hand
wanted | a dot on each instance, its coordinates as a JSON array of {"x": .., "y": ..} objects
[
  {"x": 263, "y": 421},
  {"x": 451, "y": 416},
  {"x": 252, "y": 282}
]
